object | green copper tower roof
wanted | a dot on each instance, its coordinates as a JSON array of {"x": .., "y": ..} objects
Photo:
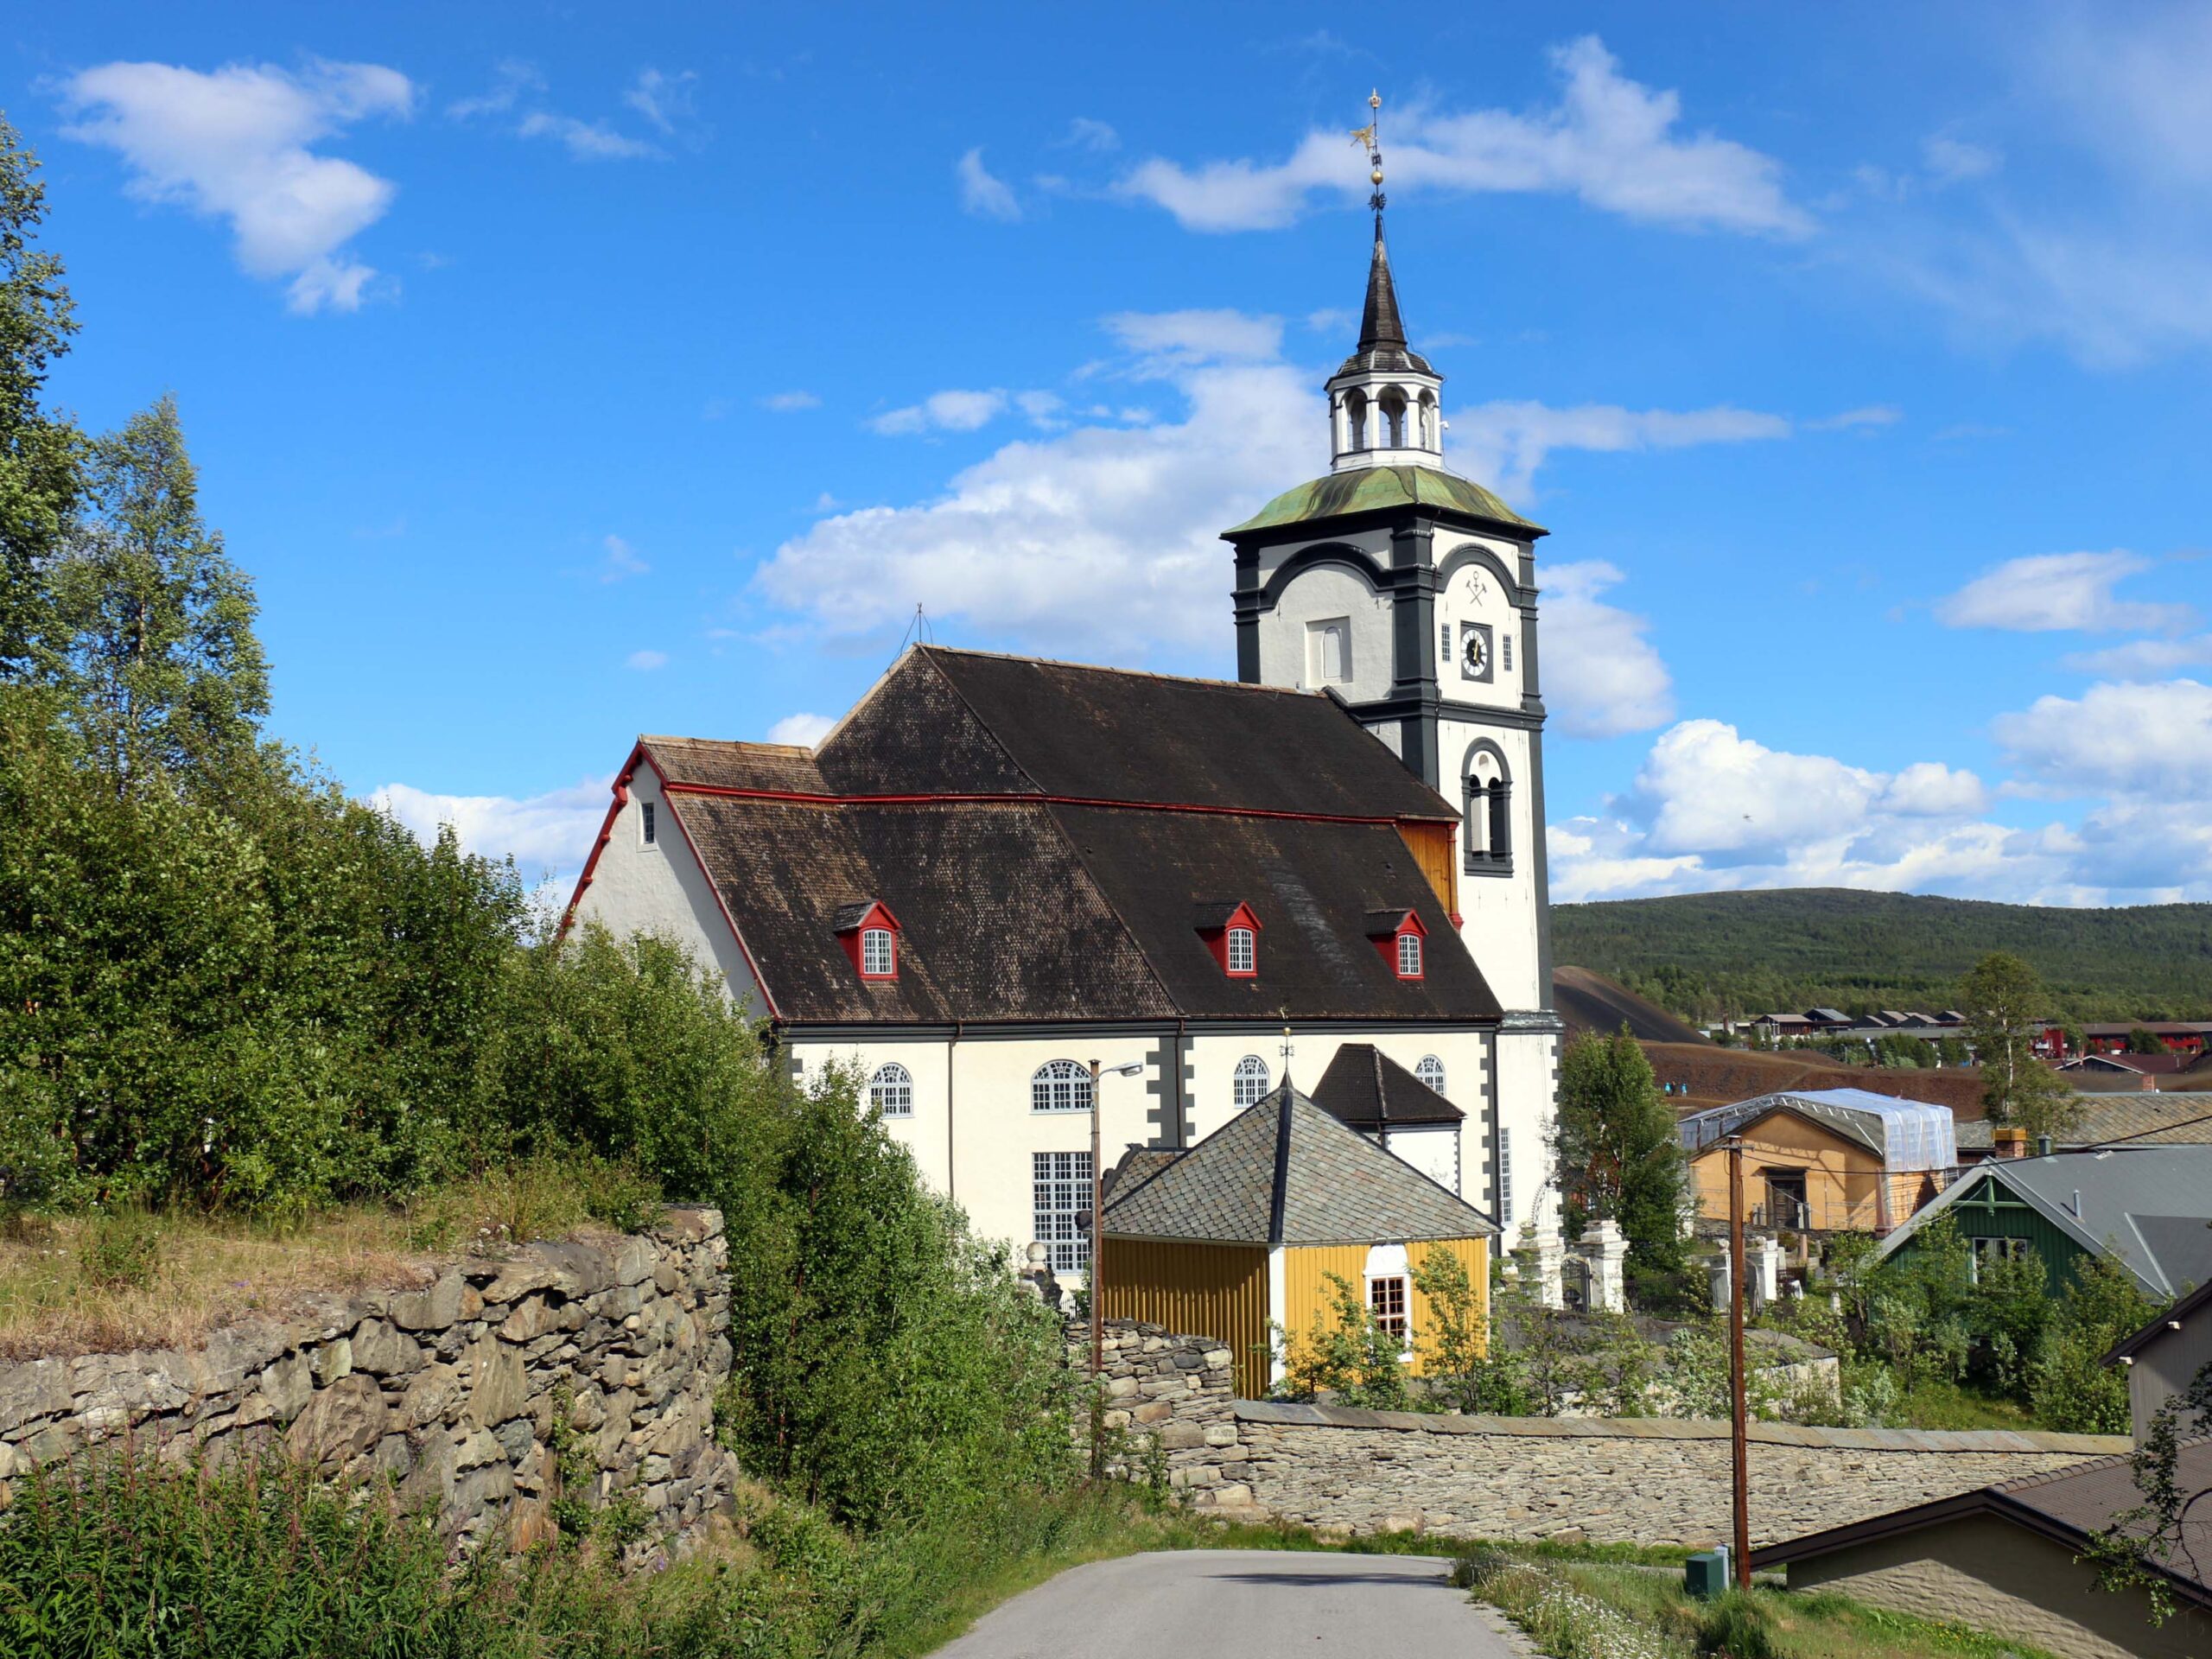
[{"x": 1368, "y": 489}]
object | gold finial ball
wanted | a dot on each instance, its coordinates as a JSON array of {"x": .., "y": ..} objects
[
  {"x": 1375, "y": 100},
  {"x": 1377, "y": 176}
]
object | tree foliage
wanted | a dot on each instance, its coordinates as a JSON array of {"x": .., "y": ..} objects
[
  {"x": 40, "y": 453},
  {"x": 2006, "y": 1010},
  {"x": 1618, "y": 1155}
]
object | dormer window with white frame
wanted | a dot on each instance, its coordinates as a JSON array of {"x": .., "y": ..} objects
[
  {"x": 879, "y": 953},
  {"x": 1399, "y": 939},
  {"x": 1409, "y": 956},
  {"x": 1243, "y": 950}
]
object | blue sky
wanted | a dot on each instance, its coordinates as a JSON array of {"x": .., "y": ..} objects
[{"x": 560, "y": 376}]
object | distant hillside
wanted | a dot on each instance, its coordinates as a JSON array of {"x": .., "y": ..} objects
[
  {"x": 1590, "y": 1002},
  {"x": 1705, "y": 954}
]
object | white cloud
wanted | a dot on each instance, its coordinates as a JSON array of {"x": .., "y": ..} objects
[
  {"x": 1611, "y": 142},
  {"x": 622, "y": 561},
  {"x": 552, "y": 831},
  {"x": 1602, "y": 677},
  {"x": 2151, "y": 740},
  {"x": 1951, "y": 160},
  {"x": 662, "y": 99},
  {"x": 1167, "y": 339},
  {"x": 645, "y": 661},
  {"x": 586, "y": 141},
  {"x": 1087, "y": 134},
  {"x": 511, "y": 81},
  {"x": 982, "y": 194},
  {"x": 943, "y": 412},
  {"x": 1105, "y": 537},
  {"x": 1870, "y": 415},
  {"x": 234, "y": 145},
  {"x": 785, "y": 403},
  {"x": 2045, "y": 593},
  {"x": 2143, "y": 659},
  {"x": 1929, "y": 789},
  {"x": 803, "y": 730},
  {"x": 1508, "y": 441}
]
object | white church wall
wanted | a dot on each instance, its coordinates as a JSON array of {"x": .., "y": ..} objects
[
  {"x": 1436, "y": 1154},
  {"x": 656, "y": 886},
  {"x": 1474, "y": 596},
  {"x": 1500, "y": 915},
  {"x": 1527, "y": 1064}
]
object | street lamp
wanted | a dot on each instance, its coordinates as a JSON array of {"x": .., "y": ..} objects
[{"x": 1097, "y": 1221}]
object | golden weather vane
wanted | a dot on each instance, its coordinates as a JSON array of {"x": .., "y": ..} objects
[{"x": 1368, "y": 137}]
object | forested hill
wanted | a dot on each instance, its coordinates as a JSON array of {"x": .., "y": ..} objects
[{"x": 1704, "y": 955}]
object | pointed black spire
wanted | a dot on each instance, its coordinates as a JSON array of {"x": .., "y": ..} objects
[{"x": 1380, "y": 328}]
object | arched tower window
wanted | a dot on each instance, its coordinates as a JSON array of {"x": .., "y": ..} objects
[
  {"x": 1429, "y": 435},
  {"x": 1249, "y": 1083},
  {"x": 1488, "y": 820},
  {"x": 1356, "y": 418},
  {"x": 1392, "y": 407}
]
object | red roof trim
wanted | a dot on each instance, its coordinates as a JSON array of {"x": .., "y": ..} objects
[
  {"x": 799, "y": 798},
  {"x": 606, "y": 833}
]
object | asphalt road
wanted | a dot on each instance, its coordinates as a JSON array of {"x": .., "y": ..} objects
[{"x": 1239, "y": 1604}]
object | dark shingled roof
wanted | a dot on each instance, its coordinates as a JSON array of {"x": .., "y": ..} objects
[
  {"x": 1037, "y": 902},
  {"x": 976, "y": 722},
  {"x": 1284, "y": 1172},
  {"x": 2069, "y": 1506},
  {"x": 1382, "y": 332},
  {"x": 1367, "y": 1089}
]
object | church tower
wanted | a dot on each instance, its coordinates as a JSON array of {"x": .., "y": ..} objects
[{"x": 1410, "y": 593}]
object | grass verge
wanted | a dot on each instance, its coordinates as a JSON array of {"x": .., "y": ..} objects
[
  {"x": 1590, "y": 1609},
  {"x": 103, "y": 1283}
]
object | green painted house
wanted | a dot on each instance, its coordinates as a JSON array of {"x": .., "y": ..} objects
[{"x": 2150, "y": 1208}]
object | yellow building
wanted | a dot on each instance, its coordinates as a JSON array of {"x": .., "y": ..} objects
[
  {"x": 1240, "y": 1233},
  {"x": 1823, "y": 1160}
]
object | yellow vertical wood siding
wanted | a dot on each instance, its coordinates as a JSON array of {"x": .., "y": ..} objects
[
  {"x": 1204, "y": 1290},
  {"x": 1307, "y": 1291},
  {"x": 1431, "y": 845}
]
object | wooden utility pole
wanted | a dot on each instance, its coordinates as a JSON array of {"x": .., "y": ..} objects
[
  {"x": 1098, "y": 1243},
  {"x": 1739, "y": 1447}
]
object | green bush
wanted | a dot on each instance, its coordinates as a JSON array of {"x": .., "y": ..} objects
[{"x": 1734, "y": 1626}]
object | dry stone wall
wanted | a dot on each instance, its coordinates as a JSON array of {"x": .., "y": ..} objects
[
  {"x": 1627, "y": 1480},
  {"x": 449, "y": 1391},
  {"x": 1168, "y": 1402}
]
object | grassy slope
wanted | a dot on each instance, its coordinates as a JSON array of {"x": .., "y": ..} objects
[{"x": 1893, "y": 950}]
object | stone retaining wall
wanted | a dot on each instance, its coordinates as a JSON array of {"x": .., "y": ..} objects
[
  {"x": 1627, "y": 1480},
  {"x": 449, "y": 1390},
  {"x": 1174, "y": 1392}
]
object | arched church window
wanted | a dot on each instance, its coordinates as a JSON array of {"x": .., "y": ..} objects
[
  {"x": 1356, "y": 417},
  {"x": 1431, "y": 1072},
  {"x": 1428, "y": 428},
  {"x": 891, "y": 1090},
  {"x": 1487, "y": 821},
  {"x": 1060, "y": 1086},
  {"x": 1392, "y": 406},
  {"x": 1249, "y": 1083}
]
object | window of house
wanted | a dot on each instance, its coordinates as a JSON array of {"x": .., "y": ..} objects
[
  {"x": 1249, "y": 1083},
  {"x": 1409, "y": 956},
  {"x": 1385, "y": 1299},
  {"x": 1060, "y": 1086},
  {"x": 1431, "y": 1072},
  {"x": 1061, "y": 1184},
  {"x": 1504, "y": 1177},
  {"x": 645, "y": 820},
  {"x": 879, "y": 956},
  {"x": 891, "y": 1090},
  {"x": 1488, "y": 816},
  {"x": 1993, "y": 1249},
  {"x": 1328, "y": 651},
  {"x": 1243, "y": 953}
]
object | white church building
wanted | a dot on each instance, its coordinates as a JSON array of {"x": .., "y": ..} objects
[{"x": 996, "y": 869}]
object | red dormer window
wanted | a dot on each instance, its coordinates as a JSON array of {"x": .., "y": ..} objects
[
  {"x": 1400, "y": 939},
  {"x": 869, "y": 933},
  {"x": 1231, "y": 932}
]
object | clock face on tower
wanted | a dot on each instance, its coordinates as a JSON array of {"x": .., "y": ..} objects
[{"x": 1475, "y": 650}]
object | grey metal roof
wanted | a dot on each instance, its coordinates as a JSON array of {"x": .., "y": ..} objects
[
  {"x": 1904, "y": 1134},
  {"x": 2150, "y": 1207},
  {"x": 1284, "y": 1171},
  {"x": 2152, "y": 1117}
]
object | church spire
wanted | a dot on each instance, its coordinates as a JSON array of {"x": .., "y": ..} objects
[{"x": 1383, "y": 402}]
